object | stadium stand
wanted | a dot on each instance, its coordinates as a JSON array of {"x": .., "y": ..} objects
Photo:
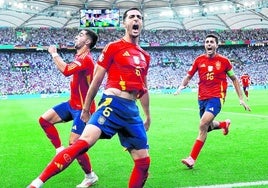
[{"x": 26, "y": 67}]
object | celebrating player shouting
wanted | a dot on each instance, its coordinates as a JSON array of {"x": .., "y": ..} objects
[
  {"x": 213, "y": 70},
  {"x": 126, "y": 65}
]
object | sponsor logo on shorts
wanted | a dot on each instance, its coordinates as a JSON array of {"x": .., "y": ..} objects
[{"x": 101, "y": 120}]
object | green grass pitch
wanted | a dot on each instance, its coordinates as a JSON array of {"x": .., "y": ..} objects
[{"x": 241, "y": 156}]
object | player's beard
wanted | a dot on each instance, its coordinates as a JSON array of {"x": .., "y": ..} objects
[
  {"x": 135, "y": 36},
  {"x": 77, "y": 46}
]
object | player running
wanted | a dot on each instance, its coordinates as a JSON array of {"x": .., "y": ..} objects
[
  {"x": 213, "y": 70},
  {"x": 245, "y": 80}
]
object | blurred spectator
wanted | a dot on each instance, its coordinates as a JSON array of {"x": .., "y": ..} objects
[{"x": 167, "y": 62}]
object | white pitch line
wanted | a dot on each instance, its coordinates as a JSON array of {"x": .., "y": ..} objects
[
  {"x": 242, "y": 184},
  {"x": 235, "y": 113}
]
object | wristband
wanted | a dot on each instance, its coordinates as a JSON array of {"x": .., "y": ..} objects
[
  {"x": 54, "y": 55},
  {"x": 85, "y": 110}
]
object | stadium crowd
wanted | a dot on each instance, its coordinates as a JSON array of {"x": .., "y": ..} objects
[
  {"x": 32, "y": 71},
  {"x": 64, "y": 36}
]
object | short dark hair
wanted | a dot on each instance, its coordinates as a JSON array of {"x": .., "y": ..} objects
[
  {"x": 93, "y": 36},
  {"x": 213, "y": 36},
  {"x": 125, "y": 13}
]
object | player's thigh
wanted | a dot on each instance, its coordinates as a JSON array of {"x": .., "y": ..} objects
[
  {"x": 91, "y": 134},
  {"x": 62, "y": 112},
  {"x": 51, "y": 116},
  {"x": 206, "y": 119},
  {"x": 73, "y": 137}
]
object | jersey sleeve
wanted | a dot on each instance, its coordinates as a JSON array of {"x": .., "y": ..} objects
[
  {"x": 105, "y": 59},
  {"x": 193, "y": 68},
  {"x": 77, "y": 65},
  {"x": 229, "y": 68}
]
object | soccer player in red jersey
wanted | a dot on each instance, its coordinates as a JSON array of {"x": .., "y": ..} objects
[
  {"x": 245, "y": 80},
  {"x": 126, "y": 66},
  {"x": 213, "y": 70},
  {"x": 81, "y": 70}
]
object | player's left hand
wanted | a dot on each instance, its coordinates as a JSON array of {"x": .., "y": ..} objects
[
  {"x": 178, "y": 91},
  {"x": 245, "y": 105},
  {"x": 85, "y": 115},
  {"x": 147, "y": 123},
  {"x": 52, "y": 49}
]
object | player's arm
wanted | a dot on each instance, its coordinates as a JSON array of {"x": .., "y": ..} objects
[
  {"x": 238, "y": 90},
  {"x": 145, "y": 103},
  {"x": 61, "y": 65},
  {"x": 183, "y": 84},
  {"x": 99, "y": 74}
]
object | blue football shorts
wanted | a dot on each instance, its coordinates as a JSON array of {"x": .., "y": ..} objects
[
  {"x": 246, "y": 88},
  {"x": 67, "y": 113},
  {"x": 118, "y": 115},
  {"x": 212, "y": 105}
]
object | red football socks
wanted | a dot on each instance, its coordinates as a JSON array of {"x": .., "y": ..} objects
[
  {"x": 246, "y": 93},
  {"x": 196, "y": 149},
  {"x": 139, "y": 173},
  {"x": 51, "y": 132},
  {"x": 222, "y": 124},
  {"x": 64, "y": 159},
  {"x": 84, "y": 162}
]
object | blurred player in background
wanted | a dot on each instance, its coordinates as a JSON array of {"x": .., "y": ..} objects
[
  {"x": 213, "y": 70},
  {"x": 81, "y": 70},
  {"x": 126, "y": 65},
  {"x": 245, "y": 80}
]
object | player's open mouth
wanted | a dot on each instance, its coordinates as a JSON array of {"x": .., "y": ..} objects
[
  {"x": 135, "y": 27},
  {"x": 209, "y": 49}
]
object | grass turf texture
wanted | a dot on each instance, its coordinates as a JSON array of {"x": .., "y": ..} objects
[{"x": 240, "y": 156}]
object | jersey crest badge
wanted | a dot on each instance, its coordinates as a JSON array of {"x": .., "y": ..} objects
[
  {"x": 210, "y": 68},
  {"x": 218, "y": 65},
  {"x": 136, "y": 60}
]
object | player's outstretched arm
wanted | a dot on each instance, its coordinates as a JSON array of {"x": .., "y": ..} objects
[
  {"x": 183, "y": 85},
  {"x": 242, "y": 102}
]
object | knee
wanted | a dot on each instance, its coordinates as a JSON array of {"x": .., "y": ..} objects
[
  {"x": 71, "y": 142},
  {"x": 43, "y": 122},
  {"x": 203, "y": 127}
]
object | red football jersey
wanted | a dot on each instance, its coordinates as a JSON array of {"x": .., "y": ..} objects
[
  {"x": 212, "y": 74},
  {"x": 245, "y": 79},
  {"x": 127, "y": 66},
  {"x": 81, "y": 69}
]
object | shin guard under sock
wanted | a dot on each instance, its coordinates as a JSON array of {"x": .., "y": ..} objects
[
  {"x": 63, "y": 159},
  {"x": 51, "y": 132},
  {"x": 196, "y": 149},
  {"x": 139, "y": 173},
  {"x": 84, "y": 162}
]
